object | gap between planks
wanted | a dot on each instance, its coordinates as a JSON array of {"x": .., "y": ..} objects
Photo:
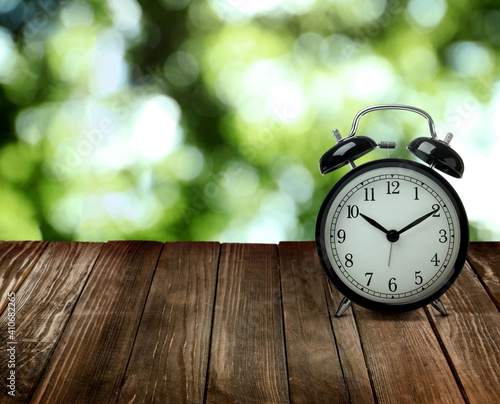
[
  {"x": 169, "y": 359},
  {"x": 88, "y": 363},
  {"x": 443, "y": 331}
]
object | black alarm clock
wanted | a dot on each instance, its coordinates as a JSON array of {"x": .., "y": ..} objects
[{"x": 392, "y": 234}]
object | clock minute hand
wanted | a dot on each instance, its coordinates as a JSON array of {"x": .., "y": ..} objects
[
  {"x": 374, "y": 223},
  {"x": 418, "y": 221}
]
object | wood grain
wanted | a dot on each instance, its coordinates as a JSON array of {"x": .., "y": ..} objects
[
  {"x": 16, "y": 260},
  {"x": 350, "y": 350},
  {"x": 485, "y": 259},
  {"x": 471, "y": 337},
  {"x": 169, "y": 362},
  {"x": 44, "y": 303},
  {"x": 134, "y": 321},
  {"x": 404, "y": 358},
  {"x": 247, "y": 359},
  {"x": 90, "y": 359},
  {"x": 314, "y": 370}
]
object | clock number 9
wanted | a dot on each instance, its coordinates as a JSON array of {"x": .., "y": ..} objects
[{"x": 341, "y": 236}]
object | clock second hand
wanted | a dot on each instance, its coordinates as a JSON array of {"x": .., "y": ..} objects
[{"x": 392, "y": 235}]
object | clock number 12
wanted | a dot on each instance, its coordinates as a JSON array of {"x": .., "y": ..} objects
[{"x": 392, "y": 187}]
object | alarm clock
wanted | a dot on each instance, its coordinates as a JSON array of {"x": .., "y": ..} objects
[{"x": 392, "y": 234}]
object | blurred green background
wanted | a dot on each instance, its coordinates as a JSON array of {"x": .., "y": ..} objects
[{"x": 205, "y": 120}]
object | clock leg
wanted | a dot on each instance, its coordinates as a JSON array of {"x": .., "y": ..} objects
[
  {"x": 343, "y": 306},
  {"x": 439, "y": 306}
]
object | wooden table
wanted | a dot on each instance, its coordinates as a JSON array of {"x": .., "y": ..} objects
[{"x": 135, "y": 321}]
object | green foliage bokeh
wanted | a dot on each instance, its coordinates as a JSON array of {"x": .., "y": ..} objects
[{"x": 204, "y": 120}]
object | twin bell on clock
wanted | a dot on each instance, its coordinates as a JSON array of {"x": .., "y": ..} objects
[{"x": 392, "y": 234}]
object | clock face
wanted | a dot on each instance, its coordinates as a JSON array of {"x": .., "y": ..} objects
[{"x": 392, "y": 235}]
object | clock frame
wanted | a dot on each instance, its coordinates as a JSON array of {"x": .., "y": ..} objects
[
  {"x": 392, "y": 183},
  {"x": 439, "y": 156}
]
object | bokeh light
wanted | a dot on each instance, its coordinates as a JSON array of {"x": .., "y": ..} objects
[{"x": 205, "y": 120}]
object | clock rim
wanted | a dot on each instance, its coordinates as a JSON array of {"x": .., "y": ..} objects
[{"x": 339, "y": 284}]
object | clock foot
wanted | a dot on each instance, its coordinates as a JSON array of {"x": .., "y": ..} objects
[
  {"x": 343, "y": 306},
  {"x": 439, "y": 306}
]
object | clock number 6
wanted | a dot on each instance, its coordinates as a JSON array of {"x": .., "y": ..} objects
[{"x": 392, "y": 285}]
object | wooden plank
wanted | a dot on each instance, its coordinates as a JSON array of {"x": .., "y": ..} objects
[
  {"x": 247, "y": 359},
  {"x": 485, "y": 259},
  {"x": 350, "y": 350},
  {"x": 170, "y": 357},
  {"x": 16, "y": 260},
  {"x": 404, "y": 358},
  {"x": 44, "y": 303},
  {"x": 471, "y": 337},
  {"x": 314, "y": 370},
  {"x": 89, "y": 361}
]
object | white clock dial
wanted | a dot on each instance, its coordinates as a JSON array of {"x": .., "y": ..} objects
[{"x": 392, "y": 233}]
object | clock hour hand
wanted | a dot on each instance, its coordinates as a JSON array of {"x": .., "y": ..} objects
[
  {"x": 418, "y": 221},
  {"x": 374, "y": 223}
]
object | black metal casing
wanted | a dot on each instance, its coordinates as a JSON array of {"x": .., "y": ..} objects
[{"x": 321, "y": 242}]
